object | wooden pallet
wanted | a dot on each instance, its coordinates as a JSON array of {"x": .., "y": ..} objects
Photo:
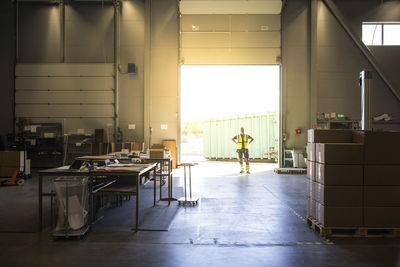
[
  {"x": 352, "y": 231},
  {"x": 290, "y": 170}
]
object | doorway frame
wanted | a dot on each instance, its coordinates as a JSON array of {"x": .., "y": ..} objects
[{"x": 280, "y": 107}]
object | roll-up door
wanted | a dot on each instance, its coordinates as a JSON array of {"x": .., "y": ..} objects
[
  {"x": 81, "y": 96},
  {"x": 241, "y": 37}
]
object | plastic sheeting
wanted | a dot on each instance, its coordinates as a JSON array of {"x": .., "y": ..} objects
[{"x": 72, "y": 202}]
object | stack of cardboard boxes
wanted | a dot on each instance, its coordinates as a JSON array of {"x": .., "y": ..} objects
[
  {"x": 337, "y": 178},
  {"x": 381, "y": 178},
  {"x": 339, "y": 186},
  {"x": 354, "y": 178}
]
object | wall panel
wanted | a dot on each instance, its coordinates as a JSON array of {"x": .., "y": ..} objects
[
  {"x": 38, "y": 33},
  {"x": 89, "y": 33}
]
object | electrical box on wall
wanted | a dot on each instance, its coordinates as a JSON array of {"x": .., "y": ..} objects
[{"x": 132, "y": 68}]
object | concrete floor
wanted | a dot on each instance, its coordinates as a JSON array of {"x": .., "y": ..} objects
[{"x": 241, "y": 220}]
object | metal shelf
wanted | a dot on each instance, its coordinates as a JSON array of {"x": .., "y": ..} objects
[{"x": 386, "y": 122}]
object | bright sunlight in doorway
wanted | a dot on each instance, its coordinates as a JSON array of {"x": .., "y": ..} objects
[{"x": 216, "y": 100}]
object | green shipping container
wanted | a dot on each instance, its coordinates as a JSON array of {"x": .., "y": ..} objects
[{"x": 263, "y": 128}]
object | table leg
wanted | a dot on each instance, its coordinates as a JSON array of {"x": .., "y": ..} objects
[
  {"x": 184, "y": 180},
  {"x": 190, "y": 182},
  {"x": 40, "y": 203},
  {"x": 161, "y": 176},
  {"x": 155, "y": 184},
  {"x": 91, "y": 200},
  {"x": 137, "y": 200},
  {"x": 169, "y": 182}
]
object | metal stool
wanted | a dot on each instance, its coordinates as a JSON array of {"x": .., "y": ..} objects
[{"x": 192, "y": 201}]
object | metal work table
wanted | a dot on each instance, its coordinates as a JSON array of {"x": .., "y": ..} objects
[
  {"x": 164, "y": 162},
  {"x": 136, "y": 171}
]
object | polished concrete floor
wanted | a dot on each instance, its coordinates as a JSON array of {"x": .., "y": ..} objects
[{"x": 241, "y": 220}]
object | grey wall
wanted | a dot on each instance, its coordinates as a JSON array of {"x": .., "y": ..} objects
[
  {"x": 339, "y": 62},
  {"x": 161, "y": 84},
  {"x": 321, "y": 64},
  {"x": 375, "y": 11},
  {"x": 38, "y": 33},
  {"x": 89, "y": 33},
  {"x": 132, "y": 31},
  {"x": 295, "y": 72},
  {"x": 7, "y": 44}
]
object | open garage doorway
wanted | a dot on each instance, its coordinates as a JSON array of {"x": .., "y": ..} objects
[{"x": 217, "y": 100}]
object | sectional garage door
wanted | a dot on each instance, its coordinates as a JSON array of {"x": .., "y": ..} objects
[
  {"x": 77, "y": 95},
  {"x": 230, "y": 39}
]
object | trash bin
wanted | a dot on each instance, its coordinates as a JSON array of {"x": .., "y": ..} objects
[
  {"x": 72, "y": 206},
  {"x": 298, "y": 159}
]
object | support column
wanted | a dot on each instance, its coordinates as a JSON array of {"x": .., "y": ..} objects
[
  {"x": 314, "y": 61},
  {"x": 62, "y": 30},
  {"x": 117, "y": 5},
  {"x": 147, "y": 73}
]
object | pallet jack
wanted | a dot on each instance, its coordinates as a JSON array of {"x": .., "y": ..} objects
[{"x": 16, "y": 179}]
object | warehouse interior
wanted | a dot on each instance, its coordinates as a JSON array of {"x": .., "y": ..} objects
[{"x": 92, "y": 136}]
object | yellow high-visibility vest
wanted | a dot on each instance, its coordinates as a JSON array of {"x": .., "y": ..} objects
[{"x": 240, "y": 141}]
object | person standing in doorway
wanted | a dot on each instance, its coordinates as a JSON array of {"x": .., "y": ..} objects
[{"x": 243, "y": 141}]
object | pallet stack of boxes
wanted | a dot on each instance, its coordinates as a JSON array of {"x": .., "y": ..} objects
[
  {"x": 335, "y": 178},
  {"x": 311, "y": 179},
  {"x": 381, "y": 178}
]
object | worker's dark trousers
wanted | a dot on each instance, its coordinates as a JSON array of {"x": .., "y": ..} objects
[{"x": 245, "y": 153}]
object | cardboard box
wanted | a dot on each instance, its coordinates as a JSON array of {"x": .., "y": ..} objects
[
  {"x": 311, "y": 151},
  {"x": 126, "y": 146},
  {"x": 380, "y": 148},
  {"x": 381, "y": 217},
  {"x": 137, "y": 146},
  {"x": 330, "y": 136},
  {"x": 339, "y": 174},
  {"x": 311, "y": 170},
  {"x": 339, "y": 196},
  {"x": 171, "y": 145},
  {"x": 382, "y": 196},
  {"x": 382, "y": 175},
  {"x": 314, "y": 205},
  {"x": 310, "y": 191},
  {"x": 157, "y": 151},
  {"x": 116, "y": 147},
  {"x": 313, "y": 190},
  {"x": 340, "y": 153},
  {"x": 311, "y": 208},
  {"x": 339, "y": 216},
  {"x": 12, "y": 158}
]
